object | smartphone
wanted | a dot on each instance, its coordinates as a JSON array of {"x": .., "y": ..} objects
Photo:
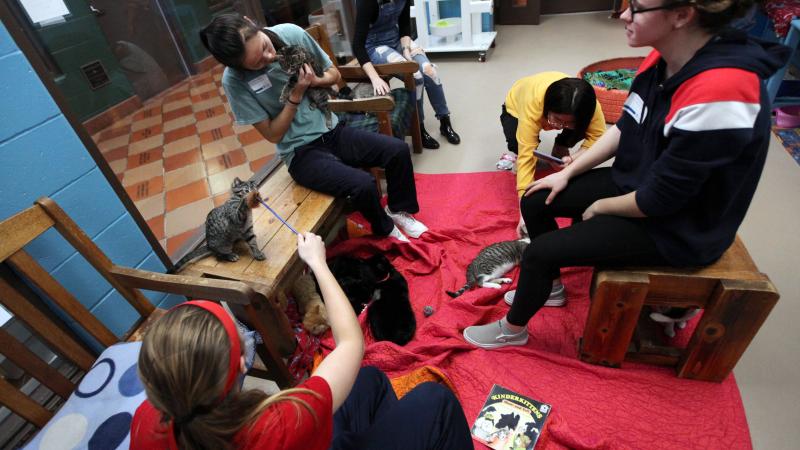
[{"x": 547, "y": 157}]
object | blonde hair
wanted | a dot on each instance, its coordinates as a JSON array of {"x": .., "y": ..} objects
[{"x": 183, "y": 365}]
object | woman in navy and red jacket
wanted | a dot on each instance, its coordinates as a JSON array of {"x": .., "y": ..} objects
[{"x": 689, "y": 148}]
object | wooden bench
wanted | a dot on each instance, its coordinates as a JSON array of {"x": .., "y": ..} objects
[
  {"x": 304, "y": 210},
  {"x": 48, "y": 321},
  {"x": 735, "y": 297}
]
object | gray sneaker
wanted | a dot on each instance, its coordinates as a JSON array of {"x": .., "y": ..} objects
[
  {"x": 558, "y": 296},
  {"x": 491, "y": 336}
]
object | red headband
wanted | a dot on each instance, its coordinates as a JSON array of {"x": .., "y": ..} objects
[{"x": 233, "y": 336}]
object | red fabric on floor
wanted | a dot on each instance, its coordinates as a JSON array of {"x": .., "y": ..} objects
[{"x": 636, "y": 407}]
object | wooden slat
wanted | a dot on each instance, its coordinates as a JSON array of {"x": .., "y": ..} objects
[
  {"x": 21, "y": 228},
  {"x": 229, "y": 291},
  {"x": 282, "y": 196},
  {"x": 34, "y": 366},
  {"x": 734, "y": 264},
  {"x": 266, "y": 226},
  {"x": 23, "y": 406},
  {"x": 278, "y": 181},
  {"x": 44, "y": 327},
  {"x": 269, "y": 353},
  {"x": 282, "y": 249},
  {"x": 266, "y": 306},
  {"x": 730, "y": 321},
  {"x": 385, "y": 124},
  {"x": 356, "y": 73},
  {"x": 318, "y": 33},
  {"x": 257, "y": 283},
  {"x": 613, "y": 313},
  {"x": 138, "y": 333},
  {"x": 28, "y": 267},
  {"x": 89, "y": 250},
  {"x": 370, "y": 104}
]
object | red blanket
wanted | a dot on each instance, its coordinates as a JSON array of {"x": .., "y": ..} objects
[{"x": 638, "y": 406}]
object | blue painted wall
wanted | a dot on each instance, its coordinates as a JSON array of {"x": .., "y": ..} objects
[{"x": 40, "y": 155}]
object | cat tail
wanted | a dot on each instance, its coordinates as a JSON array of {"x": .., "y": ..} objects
[
  {"x": 460, "y": 291},
  {"x": 199, "y": 252}
]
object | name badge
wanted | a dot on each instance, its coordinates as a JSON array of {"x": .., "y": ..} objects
[
  {"x": 634, "y": 105},
  {"x": 260, "y": 83}
]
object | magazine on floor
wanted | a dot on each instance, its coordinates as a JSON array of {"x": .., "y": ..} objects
[{"x": 509, "y": 421}]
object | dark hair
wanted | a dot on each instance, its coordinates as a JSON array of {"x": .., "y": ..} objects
[
  {"x": 571, "y": 96},
  {"x": 225, "y": 36},
  {"x": 713, "y": 15}
]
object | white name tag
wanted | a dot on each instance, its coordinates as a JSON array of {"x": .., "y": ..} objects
[
  {"x": 634, "y": 105},
  {"x": 260, "y": 83}
]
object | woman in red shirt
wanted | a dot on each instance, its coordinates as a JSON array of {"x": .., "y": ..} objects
[{"x": 191, "y": 365}]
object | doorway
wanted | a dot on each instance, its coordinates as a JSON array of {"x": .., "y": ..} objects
[{"x": 103, "y": 52}]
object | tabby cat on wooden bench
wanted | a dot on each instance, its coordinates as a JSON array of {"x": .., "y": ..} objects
[{"x": 228, "y": 223}]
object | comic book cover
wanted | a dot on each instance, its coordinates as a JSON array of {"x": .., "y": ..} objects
[{"x": 509, "y": 421}]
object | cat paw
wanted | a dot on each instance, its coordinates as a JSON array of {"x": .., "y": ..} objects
[
  {"x": 504, "y": 280},
  {"x": 491, "y": 285},
  {"x": 232, "y": 257},
  {"x": 259, "y": 256}
]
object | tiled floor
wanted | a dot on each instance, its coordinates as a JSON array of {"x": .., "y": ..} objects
[{"x": 178, "y": 154}]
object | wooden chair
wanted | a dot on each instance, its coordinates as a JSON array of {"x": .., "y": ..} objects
[
  {"x": 22, "y": 228},
  {"x": 380, "y": 106},
  {"x": 735, "y": 297}
]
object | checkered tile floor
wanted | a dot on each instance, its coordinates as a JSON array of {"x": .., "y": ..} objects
[{"x": 178, "y": 155}]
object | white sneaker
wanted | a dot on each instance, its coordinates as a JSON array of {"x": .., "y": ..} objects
[
  {"x": 558, "y": 296},
  {"x": 407, "y": 223},
  {"x": 395, "y": 233}
]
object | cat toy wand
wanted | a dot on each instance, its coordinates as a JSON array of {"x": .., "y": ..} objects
[{"x": 278, "y": 216}]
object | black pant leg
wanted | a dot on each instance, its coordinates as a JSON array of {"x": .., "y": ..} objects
[
  {"x": 582, "y": 191},
  {"x": 317, "y": 167},
  {"x": 366, "y": 149},
  {"x": 372, "y": 396},
  {"x": 509, "y": 124},
  {"x": 427, "y": 418},
  {"x": 603, "y": 240}
]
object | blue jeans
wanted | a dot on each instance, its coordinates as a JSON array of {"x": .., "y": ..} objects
[
  {"x": 427, "y": 418},
  {"x": 426, "y": 76}
]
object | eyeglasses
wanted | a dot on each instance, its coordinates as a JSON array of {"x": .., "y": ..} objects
[
  {"x": 634, "y": 6},
  {"x": 555, "y": 123}
]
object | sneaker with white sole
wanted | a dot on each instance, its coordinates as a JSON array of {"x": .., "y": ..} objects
[
  {"x": 410, "y": 226},
  {"x": 395, "y": 233},
  {"x": 492, "y": 335},
  {"x": 558, "y": 296}
]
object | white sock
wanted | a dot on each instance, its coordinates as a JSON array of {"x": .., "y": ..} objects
[{"x": 506, "y": 327}]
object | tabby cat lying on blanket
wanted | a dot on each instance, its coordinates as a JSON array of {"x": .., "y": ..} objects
[{"x": 491, "y": 264}]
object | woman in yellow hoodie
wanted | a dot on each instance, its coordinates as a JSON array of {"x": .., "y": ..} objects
[{"x": 549, "y": 101}]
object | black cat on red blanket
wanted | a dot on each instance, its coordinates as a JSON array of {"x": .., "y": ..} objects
[{"x": 375, "y": 282}]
